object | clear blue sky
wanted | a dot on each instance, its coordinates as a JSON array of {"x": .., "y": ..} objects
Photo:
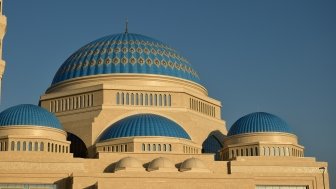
[{"x": 272, "y": 56}]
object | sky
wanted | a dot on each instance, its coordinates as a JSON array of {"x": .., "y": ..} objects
[{"x": 261, "y": 55}]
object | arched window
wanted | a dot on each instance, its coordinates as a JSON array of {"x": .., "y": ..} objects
[
  {"x": 141, "y": 99},
  {"x": 117, "y": 148},
  {"x": 55, "y": 147},
  {"x": 169, "y": 100},
  {"x": 247, "y": 152},
  {"x": 122, "y": 99},
  {"x": 136, "y": 99},
  {"x": 143, "y": 147},
  {"x": 18, "y": 146},
  {"x": 127, "y": 98},
  {"x": 154, "y": 147},
  {"x": 126, "y": 148},
  {"x": 59, "y": 148},
  {"x": 160, "y": 100},
  {"x": 132, "y": 99},
  {"x": 151, "y": 100},
  {"x": 170, "y": 147},
  {"x": 159, "y": 147},
  {"x": 164, "y": 100},
  {"x": 232, "y": 153},
  {"x": 113, "y": 149},
  {"x": 241, "y": 152},
  {"x": 12, "y": 145},
  {"x": 256, "y": 151},
  {"x": 24, "y": 146},
  {"x": 52, "y": 147},
  {"x": 146, "y": 99},
  {"x": 148, "y": 147},
  {"x": 118, "y": 98},
  {"x": 251, "y": 151},
  {"x": 237, "y": 152},
  {"x": 48, "y": 147},
  {"x": 36, "y": 146},
  {"x": 164, "y": 147},
  {"x": 41, "y": 146},
  {"x": 155, "y": 100}
]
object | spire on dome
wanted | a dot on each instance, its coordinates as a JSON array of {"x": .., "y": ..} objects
[{"x": 126, "y": 29}]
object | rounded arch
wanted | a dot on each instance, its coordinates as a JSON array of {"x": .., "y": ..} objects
[
  {"x": 212, "y": 145},
  {"x": 118, "y": 118},
  {"x": 77, "y": 146}
]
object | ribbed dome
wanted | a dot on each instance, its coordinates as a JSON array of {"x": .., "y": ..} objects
[
  {"x": 125, "y": 53},
  {"x": 28, "y": 114},
  {"x": 144, "y": 125},
  {"x": 259, "y": 122}
]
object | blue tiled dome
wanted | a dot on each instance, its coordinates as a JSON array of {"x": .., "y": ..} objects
[
  {"x": 125, "y": 53},
  {"x": 28, "y": 114},
  {"x": 259, "y": 122},
  {"x": 144, "y": 125}
]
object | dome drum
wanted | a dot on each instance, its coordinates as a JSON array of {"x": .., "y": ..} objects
[
  {"x": 149, "y": 145},
  {"x": 33, "y": 131}
]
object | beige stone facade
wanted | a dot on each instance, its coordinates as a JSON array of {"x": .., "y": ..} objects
[{"x": 37, "y": 156}]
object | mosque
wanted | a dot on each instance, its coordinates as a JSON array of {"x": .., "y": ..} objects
[{"x": 128, "y": 111}]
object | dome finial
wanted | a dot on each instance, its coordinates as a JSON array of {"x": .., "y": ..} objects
[{"x": 126, "y": 29}]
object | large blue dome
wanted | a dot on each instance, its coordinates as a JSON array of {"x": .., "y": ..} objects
[
  {"x": 259, "y": 122},
  {"x": 28, "y": 114},
  {"x": 144, "y": 125},
  {"x": 125, "y": 53}
]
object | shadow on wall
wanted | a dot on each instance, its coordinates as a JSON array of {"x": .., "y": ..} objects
[
  {"x": 77, "y": 146},
  {"x": 110, "y": 168},
  {"x": 212, "y": 144},
  {"x": 65, "y": 183}
]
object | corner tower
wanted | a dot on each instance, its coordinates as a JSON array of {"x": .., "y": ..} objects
[{"x": 3, "y": 24}]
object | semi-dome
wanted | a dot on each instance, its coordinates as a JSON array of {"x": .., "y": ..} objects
[
  {"x": 129, "y": 164},
  {"x": 259, "y": 122},
  {"x": 125, "y": 53},
  {"x": 161, "y": 164},
  {"x": 28, "y": 114},
  {"x": 193, "y": 164},
  {"x": 144, "y": 125}
]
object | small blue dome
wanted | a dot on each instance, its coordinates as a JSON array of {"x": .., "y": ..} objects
[
  {"x": 144, "y": 125},
  {"x": 28, "y": 114},
  {"x": 125, "y": 53},
  {"x": 259, "y": 122}
]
